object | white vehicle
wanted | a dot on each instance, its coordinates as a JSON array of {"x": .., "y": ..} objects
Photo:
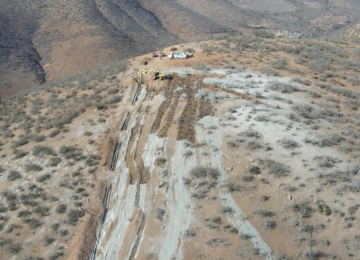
[
  {"x": 171, "y": 55},
  {"x": 177, "y": 55}
]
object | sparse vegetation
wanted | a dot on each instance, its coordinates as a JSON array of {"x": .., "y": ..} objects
[
  {"x": 264, "y": 213},
  {"x": 13, "y": 175},
  {"x": 160, "y": 161},
  {"x": 40, "y": 150},
  {"x": 288, "y": 143},
  {"x": 74, "y": 216},
  {"x": 202, "y": 106},
  {"x": 32, "y": 167},
  {"x": 54, "y": 161},
  {"x": 276, "y": 168}
]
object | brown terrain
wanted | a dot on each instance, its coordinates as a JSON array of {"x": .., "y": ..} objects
[
  {"x": 47, "y": 40},
  {"x": 250, "y": 150}
]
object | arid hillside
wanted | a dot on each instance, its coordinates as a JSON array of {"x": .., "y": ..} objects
[
  {"x": 45, "y": 40},
  {"x": 249, "y": 151}
]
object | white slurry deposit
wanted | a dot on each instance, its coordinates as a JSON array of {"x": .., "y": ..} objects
[
  {"x": 237, "y": 217},
  {"x": 123, "y": 198},
  {"x": 179, "y": 204}
]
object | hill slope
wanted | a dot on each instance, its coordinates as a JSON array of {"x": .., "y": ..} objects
[{"x": 251, "y": 150}]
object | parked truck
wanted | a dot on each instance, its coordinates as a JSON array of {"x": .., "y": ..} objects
[{"x": 177, "y": 55}]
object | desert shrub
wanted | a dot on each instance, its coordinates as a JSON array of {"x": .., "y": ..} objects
[
  {"x": 312, "y": 253},
  {"x": 23, "y": 213},
  {"x": 201, "y": 67},
  {"x": 218, "y": 242},
  {"x": 61, "y": 208},
  {"x": 64, "y": 232},
  {"x": 290, "y": 188},
  {"x": 33, "y": 223},
  {"x": 264, "y": 213},
  {"x": 55, "y": 226},
  {"x": 282, "y": 87},
  {"x": 269, "y": 225},
  {"x": 253, "y": 145},
  {"x": 327, "y": 161},
  {"x": 160, "y": 214},
  {"x": 160, "y": 161},
  {"x": 232, "y": 144},
  {"x": 190, "y": 233},
  {"x": 264, "y": 198},
  {"x": 302, "y": 81},
  {"x": 20, "y": 142},
  {"x": 32, "y": 167},
  {"x": 269, "y": 71},
  {"x": 353, "y": 209},
  {"x": 113, "y": 91},
  {"x": 56, "y": 255},
  {"x": 326, "y": 140},
  {"x": 247, "y": 177},
  {"x": 204, "y": 172},
  {"x": 306, "y": 111},
  {"x": 187, "y": 154},
  {"x": 43, "y": 178},
  {"x": 115, "y": 99},
  {"x": 42, "y": 211},
  {"x": 208, "y": 49},
  {"x": 41, "y": 150},
  {"x": 38, "y": 138},
  {"x": 288, "y": 143},
  {"x": 261, "y": 118},
  {"x": 319, "y": 65},
  {"x": 100, "y": 106},
  {"x": 202, "y": 180},
  {"x": 2, "y": 169},
  {"x": 8, "y": 134},
  {"x": 322, "y": 208},
  {"x": 74, "y": 216},
  {"x": 48, "y": 240},
  {"x": 54, "y": 133},
  {"x": 276, "y": 168},
  {"x": 14, "y": 175},
  {"x": 278, "y": 64},
  {"x": 88, "y": 133},
  {"x": 54, "y": 161},
  {"x": 355, "y": 81},
  {"x": 303, "y": 208},
  {"x": 251, "y": 133},
  {"x": 173, "y": 49},
  {"x": 233, "y": 187},
  {"x": 258, "y": 94},
  {"x": 189, "y": 50},
  {"x": 20, "y": 154},
  {"x": 101, "y": 120},
  {"x": 14, "y": 248},
  {"x": 340, "y": 91},
  {"x": 255, "y": 169},
  {"x": 92, "y": 160},
  {"x": 70, "y": 152}
]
